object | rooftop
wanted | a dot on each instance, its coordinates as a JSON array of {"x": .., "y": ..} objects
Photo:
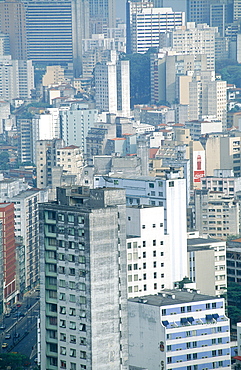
[
  {"x": 169, "y": 297},
  {"x": 202, "y": 241}
]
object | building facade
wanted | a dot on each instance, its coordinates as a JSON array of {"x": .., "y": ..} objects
[
  {"x": 188, "y": 330},
  {"x": 83, "y": 280}
]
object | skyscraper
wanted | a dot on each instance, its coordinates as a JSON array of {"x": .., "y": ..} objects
[
  {"x": 102, "y": 15},
  {"x": 12, "y": 23},
  {"x": 83, "y": 280}
]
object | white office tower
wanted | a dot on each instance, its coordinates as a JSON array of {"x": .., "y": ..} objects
[
  {"x": 83, "y": 280},
  {"x": 112, "y": 82},
  {"x": 169, "y": 192},
  {"x": 179, "y": 329},
  {"x": 208, "y": 97},
  {"x": 145, "y": 23},
  {"x": 75, "y": 122},
  {"x": 47, "y": 124},
  {"x": 16, "y": 78},
  {"x": 148, "y": 254}
]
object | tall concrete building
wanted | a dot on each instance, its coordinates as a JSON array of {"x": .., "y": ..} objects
[
  {"x": 10, "y": 292},
  {"x": 13, "y": 23},
  {"x": 27, "y": 227},
  {"x": 46, "y": 161},
  {"x": 217, "y": 215},
  {"x": 55, "y": 29},
  {"x": 83, "y": 280},
  {"x": 145, "y": 23},
  {"x": 192, "y": 39},
  {"x": 75, "y": 122},
  {"x": 16, "y": 78},
  {"x": 168, "y": 192},
  {"x": 112, "y": 81},
  {"x": 102, "y": 15}
]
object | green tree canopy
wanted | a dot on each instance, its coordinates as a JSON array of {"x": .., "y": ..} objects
[{"x": 15, "y": 360}]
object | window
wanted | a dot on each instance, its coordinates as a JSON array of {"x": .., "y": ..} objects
[
  {"x": 72, "y": 271},
  {"x": 71, "y": 285},
  {"x": 194, "y": 344},
  {"x": 62, "y": 296},
  {"x": 169, "y": 360},
  {"x": 143, "y": 226},
  {"x": 63, "y": 337},
  {"x": 62, "y": 283},
  {"x": 171, "y": 184},
  {"x": 72, "y": 339},
  {"x": 189, "y": 356},
  {"x": 62, "y": 323},
  {"x": 144, "y": 254},
  {"x": 144, "y": 265},
  {"x": 214, "y": 353},
  {"x": 82, "y": 341},
  {"x": 154, "y": 264},
  {"x": 154, "y": 242},
  {"x": 144, "y": 287},
  {"x": 155, "y": 285},
  {"x": 63, "y": 364},
  {"x": 62, "y": 309},
  {"x": 143, "y": 243},
  {"x": 151, "y": 185},
  {"x": 188, "y": 345},
  {"x": 214, "y": 305},
  {"x": 72, "y": 366},
  {"x": 183, "y": 309},
  {"x": 194, "y": 356},
  {"x": 220, "y": 352},
  {"x": 144, "y": 276},
  {"x": 154, "y": 275},
  {"x": 154, "y": 253},
  {"x": 153, "y": 225},
  {"x": 82, "y": 354},
  {"x": 72, "y": 298},
  {"x": 189, "y": 308},
  {"x": 72, "y": 325},
  {"x": 72, "y": 352},
  {"x": 72, "y": 311},
  {"x": 63, "y": 350}
]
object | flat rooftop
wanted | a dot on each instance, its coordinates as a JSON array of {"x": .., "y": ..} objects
[
  {"x": 203, "y": 241},
  {"x": 169, "y": 297}
]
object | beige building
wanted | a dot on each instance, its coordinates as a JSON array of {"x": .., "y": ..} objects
[
  {"x": 216, "y": 215},
  {"x": 54, "y": 76},
  {"x": 192, "y": 39},
  {"x": 209, "y": 255},
  {"x": 223, "y": 152},
  {"x": 70, "y": 158}
]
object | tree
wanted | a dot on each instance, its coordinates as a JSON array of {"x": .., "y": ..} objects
[
  {"x": 4, "y": 160},
  {"x": 15, "y": 360},
  {"x": 233, "y": 296},
  {"x": 140, "y": 79}
]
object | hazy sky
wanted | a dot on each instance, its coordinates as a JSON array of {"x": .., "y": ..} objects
[{"x": 120, "y": 8}]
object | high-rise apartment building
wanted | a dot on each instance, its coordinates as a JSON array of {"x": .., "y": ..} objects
[
  {"x": 145, "y": 23},
  {"x": 169, "y": 193},
  {"x": 102, "y": 15},
  {"x": 27, "y": 227},
  {"x": 16, "y": 78},
  {"x": 9, "y": 252},
  {"x": 75, "y": 122},
  {"x": 192, "y": 39},
  {"x": 112, "y": 81},
  {"x": 46, "y": 161},
  {"x": 13, "y": 23},
  {"x": 216, "y": 214},
  {"x": 83, "y": 312}
]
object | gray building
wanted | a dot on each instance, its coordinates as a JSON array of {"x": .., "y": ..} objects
[{"x": 83, "y": 286}]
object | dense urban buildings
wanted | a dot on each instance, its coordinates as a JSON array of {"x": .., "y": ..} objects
[{"x": 120, "y": 181}]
